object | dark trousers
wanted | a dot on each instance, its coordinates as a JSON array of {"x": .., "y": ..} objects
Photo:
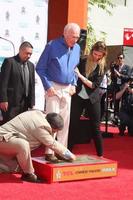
[
  {"x": 93, "y": 111},
  {"x": 13, "y": 111}
]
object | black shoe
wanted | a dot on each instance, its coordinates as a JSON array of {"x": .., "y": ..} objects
[
  {"x": 31, "y": 178},
  {"x": 51, "y": 158}
]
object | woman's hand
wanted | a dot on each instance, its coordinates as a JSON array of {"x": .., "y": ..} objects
[{"x": 77, "y": 71}]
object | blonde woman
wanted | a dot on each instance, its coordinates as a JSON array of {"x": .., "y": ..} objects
[{"x": 90, "y": 74}]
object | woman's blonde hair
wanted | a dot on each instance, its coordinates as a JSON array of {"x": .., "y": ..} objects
[{"x": 90, "y": 64}]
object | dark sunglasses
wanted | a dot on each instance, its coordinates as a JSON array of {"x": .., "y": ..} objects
[{"x": 120, "y": 58}]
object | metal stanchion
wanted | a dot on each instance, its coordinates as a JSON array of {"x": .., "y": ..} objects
[{"x": 106, "y": 111}]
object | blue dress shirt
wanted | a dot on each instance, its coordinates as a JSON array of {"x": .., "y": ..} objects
[{"x": 57, "y": 63}]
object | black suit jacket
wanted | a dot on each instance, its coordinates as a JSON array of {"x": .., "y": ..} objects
[
  {"x": 96, "y": 79},
  {"x": 12, "y": 84}
]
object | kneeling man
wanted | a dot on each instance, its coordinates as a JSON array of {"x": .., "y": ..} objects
[{"x": 24, "y": 133}]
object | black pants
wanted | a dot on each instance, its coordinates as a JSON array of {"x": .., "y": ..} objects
[
  {"x": 13, "y": 111},
  {"x": 93, "y": 112}
]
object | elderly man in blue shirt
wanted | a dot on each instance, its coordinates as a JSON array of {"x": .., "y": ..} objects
[{"x": 56, "y": 68}]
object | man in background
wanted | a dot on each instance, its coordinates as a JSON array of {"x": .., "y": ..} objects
[
  {"x": 120, "y": 73},
  {"x": 17, "y": 88},
  {"x": 126, "y": 108},
  {"x": 56, "y": 69}
]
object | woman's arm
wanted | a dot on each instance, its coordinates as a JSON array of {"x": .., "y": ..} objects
[{"x": 83, "y": 79}]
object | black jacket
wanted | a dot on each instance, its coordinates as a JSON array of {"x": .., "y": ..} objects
[
  {"x": 11, "y": 83},
  {"x": 96, "y": 79}
]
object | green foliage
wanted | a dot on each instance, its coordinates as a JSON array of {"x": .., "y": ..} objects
[
  {"x": 105, "y": 5},
  {"x": 91, "y": 37}
]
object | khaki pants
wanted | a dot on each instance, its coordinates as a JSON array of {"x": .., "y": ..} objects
[
  {"x": 60, "y": 104},
  {"x": 14, "y": 154}
]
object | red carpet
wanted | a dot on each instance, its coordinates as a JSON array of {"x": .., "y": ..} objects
[
  {"x": 110, "y": 129},
  {"x": 115, "y": 188}
]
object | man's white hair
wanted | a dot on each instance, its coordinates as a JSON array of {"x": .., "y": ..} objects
[{"x": 71, "y": 27}]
